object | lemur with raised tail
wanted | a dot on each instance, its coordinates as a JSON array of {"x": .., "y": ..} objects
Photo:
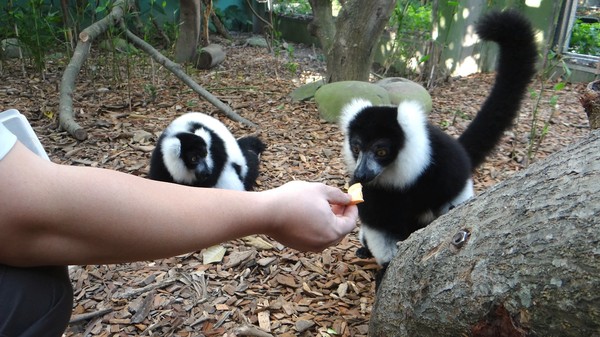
[{"x": 411, "y": 171}]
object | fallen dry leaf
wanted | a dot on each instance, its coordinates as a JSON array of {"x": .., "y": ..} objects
[{"x": 213, "y": 254}]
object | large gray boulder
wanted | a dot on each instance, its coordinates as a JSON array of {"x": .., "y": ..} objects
[
  {"x": 401, "y": 89},
  {"x": 332, "y": 97}
]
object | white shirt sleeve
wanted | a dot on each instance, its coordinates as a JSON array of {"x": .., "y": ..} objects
[
  {"x": 15, "y": 125},
  {"x": 7, "y": 140}
]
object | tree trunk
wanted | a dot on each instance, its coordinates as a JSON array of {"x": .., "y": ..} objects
[
  {"x": 590, "y": 100},
  {"x": 189, "y": 30},
  {"x": 323, "y": 23},
  {"x": 530, "y": 264},
  {"x": 219, "y": 25},
  {"x": 356, "y": 34}
]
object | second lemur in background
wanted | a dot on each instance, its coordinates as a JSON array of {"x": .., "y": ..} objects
[
  {"x": 411, "y": 171},
  {"x": 198, "y": 150}
]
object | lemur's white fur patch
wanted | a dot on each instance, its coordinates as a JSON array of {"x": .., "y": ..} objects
[
  {"x": 381, "y": 244},
  {"x": 171, "y": 148},
  {"x": 204, "y": 134},
  {"x": 415, "y": 155},
  {"x": 350, "y": 110}
]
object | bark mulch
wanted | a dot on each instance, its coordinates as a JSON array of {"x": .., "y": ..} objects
[{"x": 259, "y": 288}]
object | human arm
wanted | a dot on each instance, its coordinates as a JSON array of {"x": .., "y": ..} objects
[{"x": 54, "y": 214}]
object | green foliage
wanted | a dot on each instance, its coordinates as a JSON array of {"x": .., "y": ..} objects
[
  {"x": 292, "y": 7},
  {"x": 585, "y": 38},
  {"x": 155, "y": 28},
  {"x": 36, "y": 24},
  {"x": 300, "y": 7},
  {"x": 103, "y": 6},
  {"x": 291, "y": 65},
  {"x": 412, "y": 17},
  {"x": 234, "y": 18},
  {"x": 412, "y": 23}
]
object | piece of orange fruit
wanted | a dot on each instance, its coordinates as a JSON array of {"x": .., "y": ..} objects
[{"x": 355, "y": 192}]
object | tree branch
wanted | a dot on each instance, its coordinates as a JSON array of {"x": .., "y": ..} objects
[
  {"x": 67, "y": 84},
  {"x": 177, "y": 71},
  {"x": 81, "y": 53}
]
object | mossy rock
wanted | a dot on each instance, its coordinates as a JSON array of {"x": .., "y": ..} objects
[
  {"x": 306, "y": 91},
  {"x": 401, "y": 89},
  {"x": 332, "y": 97},
  {"x": 257, "y": 41}
]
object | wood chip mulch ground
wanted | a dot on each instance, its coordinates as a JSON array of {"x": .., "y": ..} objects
[{"x": 259, "y": 288}]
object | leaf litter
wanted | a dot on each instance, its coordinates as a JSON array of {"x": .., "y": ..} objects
[{"x": 257, "y": 287}]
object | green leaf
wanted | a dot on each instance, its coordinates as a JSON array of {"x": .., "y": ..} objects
[{"x": 533, "y": 94}]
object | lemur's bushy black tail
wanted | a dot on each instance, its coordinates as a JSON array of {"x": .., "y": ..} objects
[
  {"x": 251, "y": 143},
  {"x": 516, "y": 67},
  {"x": 251, "y": 147}
]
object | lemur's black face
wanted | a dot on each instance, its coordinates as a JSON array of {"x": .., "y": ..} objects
[
  {"x": 375, "y": 138},
  {"x": 193, "y": 154}
]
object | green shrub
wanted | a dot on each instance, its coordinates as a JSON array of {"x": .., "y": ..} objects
[
  {"x": 292, "y": 7},
  {"x": 412, "y": 17},
  {"x": 37, "y": 25},
  {"x": 413, "y": 25},
  {"x": 585, "y": 38}
]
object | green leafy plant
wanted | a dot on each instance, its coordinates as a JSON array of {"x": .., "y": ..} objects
[
  {"x": 459, "y": 114},
  {"x": 585, "y": 38},
  {"x": 234, "y": 18},
  {"x": 36, "y": 25},
  {"x": 292, "y": 7},
  {"x": 413, "y": 25},
  {"x": 291, "y": 65}
]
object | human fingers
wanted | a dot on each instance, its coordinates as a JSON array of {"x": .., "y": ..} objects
[
  {"x": 346, "y": 218},
  {"x": 335, "y": 196}
]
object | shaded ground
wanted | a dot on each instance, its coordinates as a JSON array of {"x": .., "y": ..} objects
[{"x": 125, "y": 103}]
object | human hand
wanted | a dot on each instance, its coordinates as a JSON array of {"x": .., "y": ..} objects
[{"x": 310, "y": 216}]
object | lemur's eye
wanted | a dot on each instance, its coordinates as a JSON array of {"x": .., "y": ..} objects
[
  {"x": 355, "y": 149},
  {"x": 195, "y": 159},
  {"x": 381, "y": 152}
]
